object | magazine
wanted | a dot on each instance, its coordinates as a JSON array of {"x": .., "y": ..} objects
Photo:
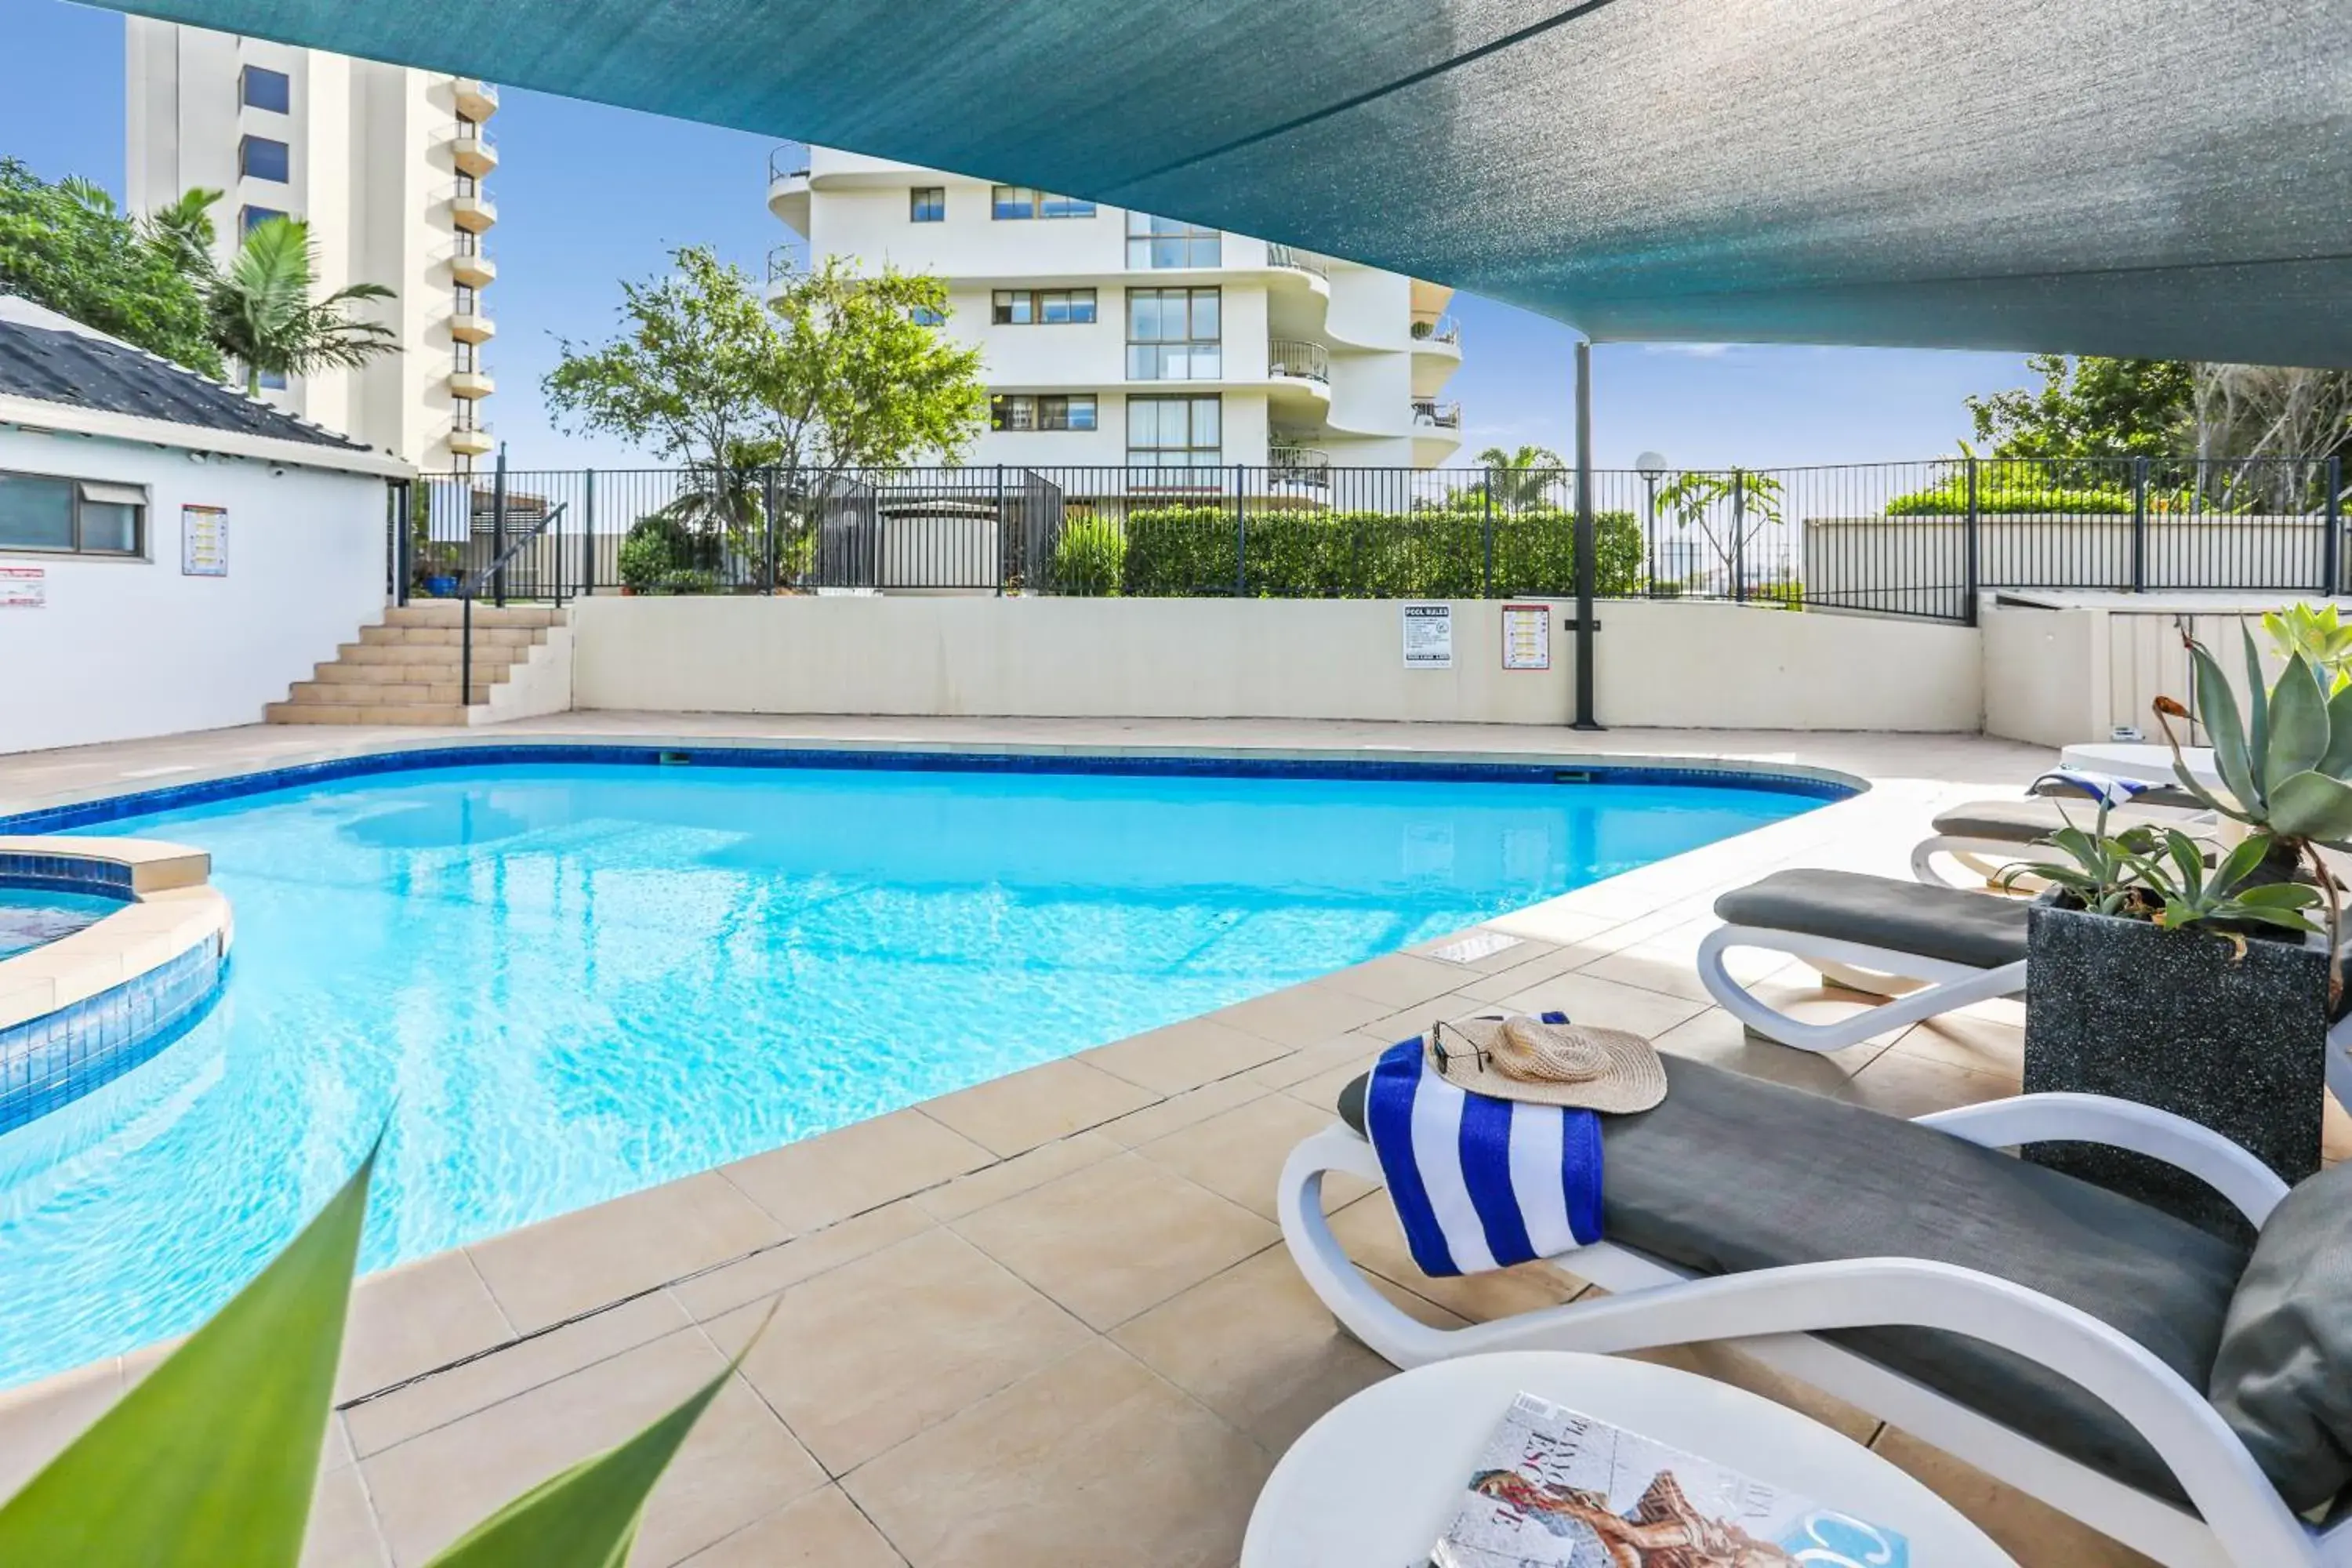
[{"x": 1558, "y": 1489}]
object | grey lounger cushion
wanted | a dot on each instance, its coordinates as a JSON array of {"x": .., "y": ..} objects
[
  {"x": 2284, "y": 1377},
  {"x": 1982, "y": 930},
  {"x": 2029, "y": 820},
  {"x": 1732, "y": 1174}
]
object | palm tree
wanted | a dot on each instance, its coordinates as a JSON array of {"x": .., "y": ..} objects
[
  {"x": 262, "y": 315},
  {"x": 1516, "y": 480},
  {"x": 183, "y": 232}
]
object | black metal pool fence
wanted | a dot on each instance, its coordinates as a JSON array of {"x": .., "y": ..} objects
[{"x": 1918, "y": 540}]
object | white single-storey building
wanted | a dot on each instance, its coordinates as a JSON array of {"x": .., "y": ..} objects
[{"x": 172, "y": 553}]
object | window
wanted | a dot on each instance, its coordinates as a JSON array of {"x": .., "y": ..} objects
[
  {"x": 259, "y": 158},
  {"x": 270, "y": 89},
  {"x": 1171, "y": 242},
  {"x": 79, "y": 516},
  {"x": 1173, "y": 432},
  {"x": 1042, "y": 307},
  {"x": 924, "y": 316},
  {"x": 927, "y": 203},
  {"x": 461, "y": 299},
  {"x": 466, "y": 358},
  {"x": 250, "y": 218},
  {"x": 1028, "y": 202},
  {"x": 272, "y": 380},
  {"x": 1173, "y": 334},
  {"x": 467, "y": 419},
  {"x": 1021, "y": 411}
]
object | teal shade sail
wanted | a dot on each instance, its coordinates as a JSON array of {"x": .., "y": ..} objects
[{"x": 2102, "y": 177}]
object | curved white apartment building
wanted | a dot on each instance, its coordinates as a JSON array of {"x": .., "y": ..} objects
[{"x": 1118, "y": 338}]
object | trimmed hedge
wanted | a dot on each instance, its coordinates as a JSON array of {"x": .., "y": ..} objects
[
  {"x": 1950, "y": 499},
  {"x": 1181, "y": 551}
]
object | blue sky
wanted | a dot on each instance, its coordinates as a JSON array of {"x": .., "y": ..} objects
[{"x": 588, "y": 194}]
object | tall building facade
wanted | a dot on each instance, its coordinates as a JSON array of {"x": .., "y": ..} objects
[
  {"x": 1119, "y": 338},
  {"x": 388, "y": 166}
]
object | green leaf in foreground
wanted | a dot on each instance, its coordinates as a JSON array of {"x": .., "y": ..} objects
[{"x": 212, "y": 1458}]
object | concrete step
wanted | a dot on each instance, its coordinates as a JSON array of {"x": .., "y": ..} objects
[
  {"x": 449, "y": 613},
  {"x": 334, "y": 694},
  {"x": 452, "y": 636},
  {"x": 486, "y": 656},
  {"x": 433, "y": 673},
  {"x": 370, "y": 713}
]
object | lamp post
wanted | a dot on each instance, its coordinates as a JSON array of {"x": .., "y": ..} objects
[{"x": 1651, "y": 467}]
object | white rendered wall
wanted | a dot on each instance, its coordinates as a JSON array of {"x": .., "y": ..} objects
[
  {"x": 1667, "y": 664},
  {"x": 130, "y": 648},
  {"x": 369, "y": 170}
]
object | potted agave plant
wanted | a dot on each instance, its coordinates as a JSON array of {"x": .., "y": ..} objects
[{"x": 2199, "y": 979}]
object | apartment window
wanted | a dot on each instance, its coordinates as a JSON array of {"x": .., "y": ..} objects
[
  {"x": 468, "y": 186},
  {"x": 461, "y": 299},
  {"x": 250, "y": 218},
  {"x": 467, "y": 358},
  {"x": 270, "y": 89},
  {"x": 1042, "y": 307},
  {"x": 1173, "y": 334},
  {"x": 1174, "y": 433},
  {"x": 1171, "y": 242},
  {"x": 1021, "y": 411},
  {"x": 272, "y": 380},
  {"x": 259, "y": 158},
  {"x": 466, "y": 417},
  {"x": 1009, "y": 202},
  {"x": 82, "y": 517},
  {"x": 927, "y": 203},
  {"x": 925, "y": 316}
]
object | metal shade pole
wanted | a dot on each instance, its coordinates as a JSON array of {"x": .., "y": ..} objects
[{"x": 1584, "y": 538}]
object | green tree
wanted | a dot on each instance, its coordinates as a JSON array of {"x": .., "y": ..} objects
[
  {"x": 1517, "y": 480},
  {"x": 2088, "y": 408},
  {"x": 68, "y": 248},
  {"x": 261, "y": 314}
]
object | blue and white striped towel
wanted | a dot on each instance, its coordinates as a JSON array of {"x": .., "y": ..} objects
[
  {"x": 1481, "y": 1182},
  {"x": 2096, "y": 786}
]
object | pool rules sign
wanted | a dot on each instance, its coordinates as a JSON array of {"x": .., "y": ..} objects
[{"x": 1428, "y": 637}]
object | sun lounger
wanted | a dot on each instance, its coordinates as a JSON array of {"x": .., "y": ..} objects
[
  {"x": 1984, "y": 837},
  {"x": 2160, "y": 1384}
]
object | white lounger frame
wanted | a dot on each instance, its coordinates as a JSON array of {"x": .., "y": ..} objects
[
  {"x": 1945, "y": 985},
  {"x": 1773, "y": 1314},
  {"x": 1983, "y": 858}
]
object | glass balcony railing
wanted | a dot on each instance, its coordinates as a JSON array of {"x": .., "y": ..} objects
[
  {"x": 789, "y": 162},
  {"x": 1428, "y": 411},
  {"x": 1436, "y": 330}
]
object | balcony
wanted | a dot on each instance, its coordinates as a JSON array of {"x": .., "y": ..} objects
[
  {"x": 472, "y": 211},
  {"x": 788, "y": 185},
  {"x": 1301, "y": 361},
  {"x": 469, "y": 263},
  {"x": 471, "y": 384},
  {"x": 476, "y": 99},
  {"x": 470, "y": 441},
  {"x": 1295, "y": 465},
  {"x": 1296, "y": 260},
  {"x": 471, "y": 327},
  {"x": 473, "y": 151},
  {"x": 1428, "y": 413},
  {"x": 1436, "y": 334}
]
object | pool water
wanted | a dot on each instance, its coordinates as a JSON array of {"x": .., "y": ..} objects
[
  {"x": 550, "y": 984},
  {"x": 32, "y": 917}
]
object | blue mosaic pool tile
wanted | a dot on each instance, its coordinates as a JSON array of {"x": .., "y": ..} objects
[
  {"x": 54, "y": 1059},
  {"x": 1565, "y": 771}
]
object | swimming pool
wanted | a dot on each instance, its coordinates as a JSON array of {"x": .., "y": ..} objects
[
  {"x": 555, "y": 981},
  {"x": 34, "y": 916}
]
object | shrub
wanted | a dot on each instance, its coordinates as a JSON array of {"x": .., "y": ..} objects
[
  {"x": 1090, "y": 557},
  {"x": 644, "y": 560},
  {"x": 687, "y": 580},
  {"x": 1439, "y": 553},
  {"x": 1950, "y": 499}
]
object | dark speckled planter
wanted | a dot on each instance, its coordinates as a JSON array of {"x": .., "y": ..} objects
[{"x": 2180, "y": 1021}]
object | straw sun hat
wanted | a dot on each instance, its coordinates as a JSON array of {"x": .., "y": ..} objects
[{"x": 1549, "y": 1064}]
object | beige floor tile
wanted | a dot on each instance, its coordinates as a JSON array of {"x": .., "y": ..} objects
[
  {"x": 1407, "y": 1022},
  {"x": 1012, "y": 1115},
  {"x": 1551, "y": 921},
  {"x": 822, "y": 1530},
  {"x": 1183, "y": 1109},
  {"x": 1046, "y": 1162},
  {"x": 1117, "y": 1237},
  {"x": 1915, "y": 1086},
  {"x": 1182, "y": 1056},
  {"x": 342, "y": 1533},
  {"x": 1718, "y": 1038},
  {"x": 1094, "y": 1460},
  {"x": 377, "y": 1423},
  {"x": 1367, "y": 1231},
  {"x": 39, "y": 1419},
  {"x": 1963, "y": 1040},
  {"x": 547, "y": 1272},
  {"x": 1321, "y": 1092},
  {"x": 415, "y": 1318},
  {"x": 1726, "y": 1364},
  {"x": 1303, "y": 1014},
  {"x": 2035, "y": 1534},
  {"x": 1669, "y": 964},
  {"x": 872, "y": 1353},
  {"x": 1239, "y": 1155},
  {"x": 1255, "y": 1345},
  {"x": 739, "y": 1463},
  {"x": 1398, "y": 980},
  {"x": 820, "y": 1180},
  {"x": 1604, "y": 1002},
  {"x": 761, "y": 1275},
  {"x": 1355, "y": 1052},
  {"x": 1496, "y": 984}
]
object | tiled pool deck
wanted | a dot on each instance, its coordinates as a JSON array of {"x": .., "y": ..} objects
[{"x": 1048, "y": 1320}]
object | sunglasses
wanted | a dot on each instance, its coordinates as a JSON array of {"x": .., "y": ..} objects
[{"x": 1469, "y": 1051}]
